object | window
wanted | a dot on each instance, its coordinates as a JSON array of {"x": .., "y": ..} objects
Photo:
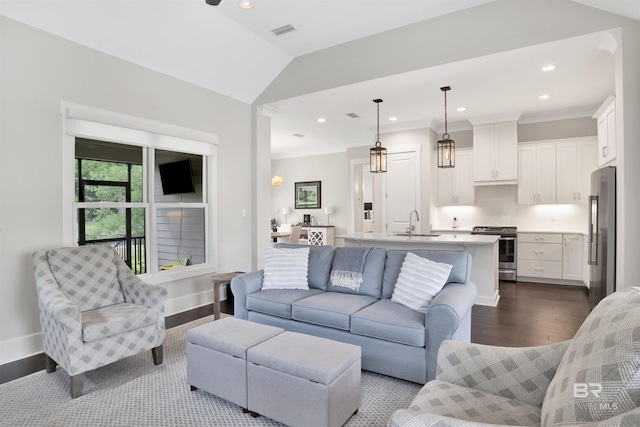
[{"x": 149, "y": 192}]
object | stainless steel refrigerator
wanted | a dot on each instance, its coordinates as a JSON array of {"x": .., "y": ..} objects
[{"x": 602, "y": 234}]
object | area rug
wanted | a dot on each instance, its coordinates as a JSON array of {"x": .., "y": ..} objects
[{"x": 135, "y": 392}]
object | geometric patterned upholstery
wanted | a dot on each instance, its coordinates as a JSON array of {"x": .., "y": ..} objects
[
  {"x": 479, "y": 385},
  {"x": 599, "y": 376},
  {"x": 81, "y": 340},
  {"x": 519, "y": 373},
  {"x": 463, "y": 403},
  {"x": 87, "y": 276},
  {"x": 116, "y": 319}
]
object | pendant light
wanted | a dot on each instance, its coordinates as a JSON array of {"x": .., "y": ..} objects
[
  {"x": 446, "y": 146},
  {"x": 378, "y": 154}
]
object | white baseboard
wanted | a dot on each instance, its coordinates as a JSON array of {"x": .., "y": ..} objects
[
  {"x": 19, "y": 348},
  {"x": 187, "y": 302},
  {"x": 30, "y": 345},
  {"x": 488, "y": 301}
]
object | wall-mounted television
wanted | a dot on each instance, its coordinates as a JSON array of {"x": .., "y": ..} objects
[{"x": 177, "y": 177}]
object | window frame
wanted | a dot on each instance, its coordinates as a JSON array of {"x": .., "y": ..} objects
[{"x": 91, "y": 123}]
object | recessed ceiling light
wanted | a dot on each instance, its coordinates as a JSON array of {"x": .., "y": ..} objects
[
  {"x": 543, "y": 97},
  {"x": 461, "y": 109},
  {"x": 322, "y": 120},
  {"x": 548, "y": 67},
  {"x": 393, "y": 119},
  {"x": 245, "y": 4}
]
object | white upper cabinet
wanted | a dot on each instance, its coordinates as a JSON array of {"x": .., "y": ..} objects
[
  {"x": 537, "y": 173},
  {"x": 455, "y": 185},
  {"x": 607, "y": 137},
  {"x": 575, "y": 161},
  {"x": 495, "y": 153}
]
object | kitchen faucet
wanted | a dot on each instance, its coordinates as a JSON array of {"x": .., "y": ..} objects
[{"x": 411, "y": 226}]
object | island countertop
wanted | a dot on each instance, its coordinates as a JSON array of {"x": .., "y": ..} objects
[
  {"x": 462, "y": 238},
  {"x": 482, "y": 248}
]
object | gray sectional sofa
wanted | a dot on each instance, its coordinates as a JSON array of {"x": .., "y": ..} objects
[{"x": 395, "y": 340}]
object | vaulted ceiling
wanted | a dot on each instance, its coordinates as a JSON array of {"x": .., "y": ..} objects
[{"x": 234, "y": 52}]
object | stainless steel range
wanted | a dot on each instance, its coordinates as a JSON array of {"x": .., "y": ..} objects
[{"x": 507, "y": 262}]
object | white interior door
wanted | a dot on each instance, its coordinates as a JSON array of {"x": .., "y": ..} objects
[{"x": 402, "y": 191}]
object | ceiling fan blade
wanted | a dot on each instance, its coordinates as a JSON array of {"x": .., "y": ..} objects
[{"x": 213, "y": 2}]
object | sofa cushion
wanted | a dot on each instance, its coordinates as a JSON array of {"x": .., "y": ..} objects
[
  {"x": 467, "y": 404},
  {"x": 277, "y": 302},
  {"x": 599, "y": 375},
  {"x": 320, "y": 259},
  {"x": 116, "y": 319},
  {"x": 419, "y": 281},
  {"x": 460, "y": 260},
  {"x": 371, "y": 276},
  {"x": 390, "y": 321},
  {"x": 330, "y": 309},
  {"x": 87, "y": 275},
  {"x": 285, "y": 268}
]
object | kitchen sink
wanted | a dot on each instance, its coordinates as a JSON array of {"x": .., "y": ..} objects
[{"x": 417, "y": 235}]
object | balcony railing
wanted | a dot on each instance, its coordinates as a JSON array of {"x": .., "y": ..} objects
[{"x": 131, "y": 250}]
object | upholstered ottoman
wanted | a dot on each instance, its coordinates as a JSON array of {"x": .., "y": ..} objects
[
  {"x": 216, "y": 356},
  {"x": 302, "y": 380}
]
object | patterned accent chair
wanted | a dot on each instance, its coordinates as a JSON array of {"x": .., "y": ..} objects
[
  {"x": 94, "y": 310},
  {"x": 591, "y": 380}
]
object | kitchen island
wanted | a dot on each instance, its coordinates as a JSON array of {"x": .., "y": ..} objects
[{"x": 483, "y": 250}]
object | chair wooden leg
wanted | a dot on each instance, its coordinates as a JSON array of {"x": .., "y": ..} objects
[
  {"x": 49, "y": 364},
  {"x": 77, "y": 382},
  {"x": 157, "y": 354}
]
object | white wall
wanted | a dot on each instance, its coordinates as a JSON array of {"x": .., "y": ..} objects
[
  {"x": 331, "y": 170},
  {"x": 37, "y": 72}
]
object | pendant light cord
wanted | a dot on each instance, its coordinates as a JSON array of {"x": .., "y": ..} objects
[
  {"x": 378, "y": 127},
  {"x": 446, "y": 130}
]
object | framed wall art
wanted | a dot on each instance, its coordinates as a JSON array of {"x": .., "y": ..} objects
[{"x": 307, "y": 195}]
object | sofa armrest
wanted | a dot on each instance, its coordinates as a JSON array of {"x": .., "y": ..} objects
[
  {"x": 137, "y": 291},
  {"x": 445, "y": 315},
  {"x": 521, "y": 373},
  {"x": 241, "y": 286}
]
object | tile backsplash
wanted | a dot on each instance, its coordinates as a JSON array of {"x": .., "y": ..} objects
[{"x": 498, "y": 205}]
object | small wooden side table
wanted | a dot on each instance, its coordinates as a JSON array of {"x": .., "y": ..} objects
[{"x": 219, "y": 280}]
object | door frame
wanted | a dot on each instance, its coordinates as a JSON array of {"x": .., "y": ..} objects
[{"x": 379, "y": 184}]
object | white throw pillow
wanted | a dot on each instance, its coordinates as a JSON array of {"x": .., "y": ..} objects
[
  {"x": 419, "y": 282},
  {"x": 286, "y": 268}
]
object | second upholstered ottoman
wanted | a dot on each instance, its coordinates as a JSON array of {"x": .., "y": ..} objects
[{"x": 302, "y": 380}]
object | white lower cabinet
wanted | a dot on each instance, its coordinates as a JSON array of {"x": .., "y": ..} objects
[
  {"x": 572, "y": 256},
  {"x": 540, "y": 255},
  {"x": 550, "y": 256}
]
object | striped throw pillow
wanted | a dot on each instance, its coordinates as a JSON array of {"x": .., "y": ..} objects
[
  {"x": 419, "y": 282},
  {"x": 286, "y": 268}
]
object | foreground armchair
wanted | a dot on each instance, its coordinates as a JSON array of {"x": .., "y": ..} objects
[
  {"x": 591, "y": 380},
  {"x": 94, "y": 310}
]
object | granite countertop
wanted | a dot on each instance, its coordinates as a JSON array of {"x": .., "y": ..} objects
[{"x": 463, "y": 238}]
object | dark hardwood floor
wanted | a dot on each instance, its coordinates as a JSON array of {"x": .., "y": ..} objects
[
  {"x": 531, "y": 314},
  {"x": 528, "y": 314}
]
